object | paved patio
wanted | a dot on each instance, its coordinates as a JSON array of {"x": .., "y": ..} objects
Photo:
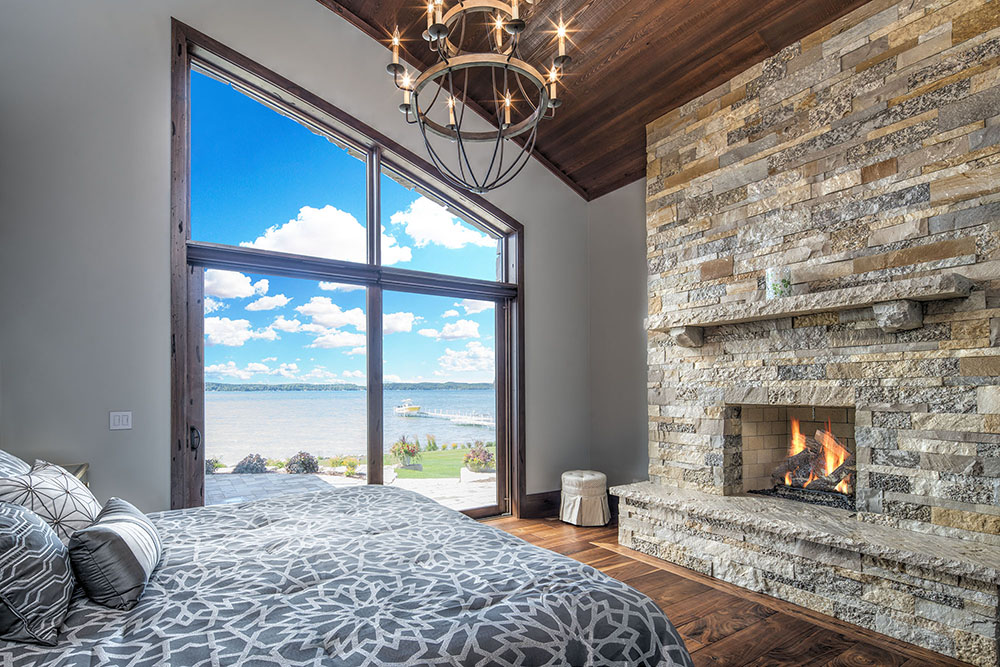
[{"x": 225, "y": 488}]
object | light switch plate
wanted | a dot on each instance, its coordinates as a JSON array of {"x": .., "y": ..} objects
[{"x": 121, "y": 421}]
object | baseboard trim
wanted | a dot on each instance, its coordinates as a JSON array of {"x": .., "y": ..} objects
[{"x": 540, "y": 505}]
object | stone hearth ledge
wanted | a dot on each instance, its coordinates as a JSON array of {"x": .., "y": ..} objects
[
  {"x": 924, "y": 288},
  {"x": 826, "y": 526}
]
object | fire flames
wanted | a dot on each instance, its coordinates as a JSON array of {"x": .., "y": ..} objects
[{"x": 828, "y": 460}]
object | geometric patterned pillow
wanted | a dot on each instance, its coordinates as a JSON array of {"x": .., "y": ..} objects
[
  {"x": 36, "y": 583},
  {"x": 59, "y": 498},
  {"x": 114, "y": 558},
  {"x": 11, "y": 465}
]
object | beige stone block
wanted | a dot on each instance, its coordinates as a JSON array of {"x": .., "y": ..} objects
[
  {"x": 925, "y": 49},
  {"x": 988, "y": 400},
  {"x": 979, "y": 366},
  {"x": 843, "y": 181},
  {"x": 966, "y": 186},
  {"x": 927, "y": 252},
  {"x": 947, "y": 422},
  {"x": 907, "y": 230},
  {"x": 971, "y": 330},
  {"x": 974, "y": 521}
]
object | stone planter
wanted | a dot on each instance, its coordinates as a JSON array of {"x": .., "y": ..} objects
[{"x": 467, "y": 476}]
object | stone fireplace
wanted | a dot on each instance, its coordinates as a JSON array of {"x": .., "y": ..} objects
[{"x": 823, "y": 238}]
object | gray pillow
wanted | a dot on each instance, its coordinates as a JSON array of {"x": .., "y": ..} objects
[
  {"x": 36, "y": 583},
  {"x": 10, "y": 465},
  {"x": 56, "y": 496},
  {"x": 114, "y": 557}
]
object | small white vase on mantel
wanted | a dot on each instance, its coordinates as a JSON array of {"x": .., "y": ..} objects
[{"x": 777, "y": 282}]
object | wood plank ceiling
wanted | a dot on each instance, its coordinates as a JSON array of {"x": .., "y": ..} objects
[{"x": 633, "y": 61}]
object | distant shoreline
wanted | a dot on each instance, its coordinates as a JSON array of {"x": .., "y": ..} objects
[{"x": 346, "y": 386}]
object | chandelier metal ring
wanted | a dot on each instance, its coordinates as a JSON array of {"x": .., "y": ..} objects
[
  {"x": 484, "y": 73},
  {"x": 461, "y": 10},
  {"x": 458, "y": 63}
]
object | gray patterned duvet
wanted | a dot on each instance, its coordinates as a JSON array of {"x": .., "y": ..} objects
[{"x": 359, "y": 576}]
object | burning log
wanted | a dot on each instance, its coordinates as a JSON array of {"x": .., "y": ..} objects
[
  {"x": 830, "y": 482},
  {"x": 797, "y": 466}
]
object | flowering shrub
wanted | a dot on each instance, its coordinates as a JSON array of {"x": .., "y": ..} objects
[
  {"x": 351, "y": 465},
  {"x": 405, "y": 452},
  {"x": 302, "y": 463},
  {"x": 479, "y": 459},
  {"x": 212, "y": 464},
  {"x": 252, "y": 464}
]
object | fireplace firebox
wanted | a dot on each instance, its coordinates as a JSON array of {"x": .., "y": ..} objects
[{"x": 800, "y": 453}]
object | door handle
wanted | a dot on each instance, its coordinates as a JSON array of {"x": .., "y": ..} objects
[{"x": 194, "y": 438}]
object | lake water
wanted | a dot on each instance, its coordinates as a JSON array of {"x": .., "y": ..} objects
[{"x": 277, "y": 424}]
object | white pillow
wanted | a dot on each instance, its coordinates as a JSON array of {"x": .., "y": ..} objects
[{"x": 59, "y": 498}]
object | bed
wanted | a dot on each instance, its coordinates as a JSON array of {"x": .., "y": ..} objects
[{"x": 359, "y": 576}]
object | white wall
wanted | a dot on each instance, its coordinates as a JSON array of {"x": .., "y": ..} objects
[
  {"x": 618, "y": 306},
  {"x": 84, "y": 186}
]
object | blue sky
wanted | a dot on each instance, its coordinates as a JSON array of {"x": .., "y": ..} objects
[{"x": 261, "y": 180}]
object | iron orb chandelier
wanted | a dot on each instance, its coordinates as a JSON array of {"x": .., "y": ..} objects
[{"x": 478, "y": 68}]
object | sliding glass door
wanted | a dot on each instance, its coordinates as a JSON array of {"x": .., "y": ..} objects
[{"x": 342, "y": 320}]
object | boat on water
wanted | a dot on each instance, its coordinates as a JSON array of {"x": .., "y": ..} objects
[{"x": 407, "y": 409}]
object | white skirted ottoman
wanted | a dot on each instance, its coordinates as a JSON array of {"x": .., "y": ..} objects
[{"x": 584, "y": 498}]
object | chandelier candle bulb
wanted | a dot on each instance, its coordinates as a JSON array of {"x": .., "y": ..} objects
[
  {"x": 561, "y": 33},
  {"x": 514, "y": 11},
  {"x": 438, "y": 6},
  {"x": 395, "y": 47},
  {"x": 498, "y": 27},
  {"x": 430, "y": 14},
  {"x": 451, "y": 112},
  {"x": 506, "y": 109}
]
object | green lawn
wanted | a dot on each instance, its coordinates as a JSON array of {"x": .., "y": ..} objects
[{"x": 439, "y": 464}]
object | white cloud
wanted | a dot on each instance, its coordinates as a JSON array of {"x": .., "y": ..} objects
[
  {"x": 326, "y": 313},
  {"x": 339, "y": 287},
  {"x": 450, "y": 313},
  {"x": 232, "y": 284},
  {"x": 269, "y": 302},
  {"x": 320, "y": 374},
  {"x": 356, "y": 350},
  {"x": 391, "y": 378},
  {"x": 428, "y": 223},
  {"x": 398, "y": 322},
  {"x": 353, "y": 374},
  {"x": 212, "y": 305},
  {"x": 254, "y": 367},
  {"x": 267, "y": 359},
  {"x": 453, "y": 331},
  {"x": 282, "y": 324},
  {"x": 327, "y": 232},
  {"x": 234, "y": 333},
  {"x": 286, "y": 371},
  {"x": 228, "y": 370},
  {"x": 475, "y": 357},
  {"x": 334, "y": 339},
  {"x": 471, "y": 306}
]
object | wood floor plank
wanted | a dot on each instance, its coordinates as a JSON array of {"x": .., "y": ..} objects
[
  {"x": 867, "y": 655},
  {"x": 721, "y": 623},
  {"x": 724, "y": 621}
]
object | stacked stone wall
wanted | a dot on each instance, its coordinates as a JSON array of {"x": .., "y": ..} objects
[{"x": 865, "y": 154}]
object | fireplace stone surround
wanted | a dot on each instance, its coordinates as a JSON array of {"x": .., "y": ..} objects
[{"x": 864, "y": 162}]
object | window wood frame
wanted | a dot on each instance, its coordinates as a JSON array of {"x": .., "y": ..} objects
[{"x": 191, "y": 48}]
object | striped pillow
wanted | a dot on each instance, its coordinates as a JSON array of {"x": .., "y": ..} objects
[{"x": 114, "y": 558}]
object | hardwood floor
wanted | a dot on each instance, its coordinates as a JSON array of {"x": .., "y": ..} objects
[{"x": 723, "y": 624}]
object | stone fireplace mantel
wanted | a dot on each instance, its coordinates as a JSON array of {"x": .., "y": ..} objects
[{"x": 925, "y": 288}]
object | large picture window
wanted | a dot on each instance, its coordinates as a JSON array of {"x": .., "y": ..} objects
[{"x": 331, "y": 296}]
